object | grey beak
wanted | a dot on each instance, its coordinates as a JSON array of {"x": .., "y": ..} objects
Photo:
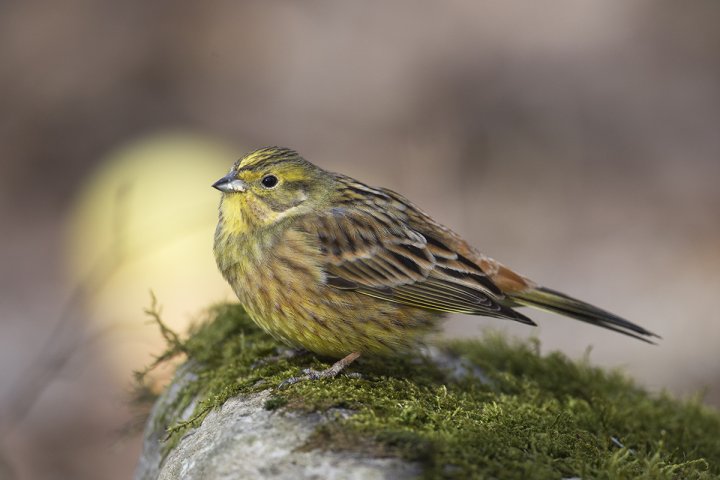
[{"x": 229, "y": 183}]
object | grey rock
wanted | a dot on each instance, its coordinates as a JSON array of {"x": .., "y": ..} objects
[{"x": 244, "y": 440}]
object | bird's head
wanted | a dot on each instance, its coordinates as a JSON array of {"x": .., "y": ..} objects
[{"x": 268, "y": 185}]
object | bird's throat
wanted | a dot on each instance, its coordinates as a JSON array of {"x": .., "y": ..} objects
[{"x": 242, "y": 213}]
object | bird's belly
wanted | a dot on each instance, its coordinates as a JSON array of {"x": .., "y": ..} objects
[
  {"x": 282, "y": 286},
  {"x": 302, "y": 312}
]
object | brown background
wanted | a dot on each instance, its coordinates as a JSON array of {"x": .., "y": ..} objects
[{"x": 577, "y": 141}]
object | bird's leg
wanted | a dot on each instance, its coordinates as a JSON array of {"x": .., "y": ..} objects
[
  {"x": 336, "y": 368},
  {"x": 310, "y": 374}
]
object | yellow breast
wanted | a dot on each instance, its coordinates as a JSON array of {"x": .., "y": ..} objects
[{"x": 279, "y": 279}]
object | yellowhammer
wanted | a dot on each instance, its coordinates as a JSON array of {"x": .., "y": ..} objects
[{"x": 324, "y": 262}]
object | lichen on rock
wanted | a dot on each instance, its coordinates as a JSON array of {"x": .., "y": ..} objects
[{"x": 491, "y": 408}]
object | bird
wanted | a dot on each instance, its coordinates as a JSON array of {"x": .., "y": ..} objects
[{"x": 327, "y": 264}]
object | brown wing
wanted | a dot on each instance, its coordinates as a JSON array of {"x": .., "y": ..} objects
[
  {"x": 465, "y": 258},
  {"x": 371, "y": 247}
]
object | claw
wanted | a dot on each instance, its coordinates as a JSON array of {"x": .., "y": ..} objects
[{"x": 331, "y": 372}]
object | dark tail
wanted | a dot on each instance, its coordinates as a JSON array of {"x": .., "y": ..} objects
[{"x": 557, "y": 302}]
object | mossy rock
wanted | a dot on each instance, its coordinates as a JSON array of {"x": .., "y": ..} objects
[{"x": 491, "y": 408}]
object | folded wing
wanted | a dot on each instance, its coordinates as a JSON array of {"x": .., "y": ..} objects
[{"x": 371, "y": 249}]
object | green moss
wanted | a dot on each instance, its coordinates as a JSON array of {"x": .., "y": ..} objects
[
  {"x": 533, "y": 416},
  {"x": 275, "y": 402}
]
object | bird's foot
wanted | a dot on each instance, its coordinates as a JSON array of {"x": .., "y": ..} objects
[{"x": 332, "y": 372}]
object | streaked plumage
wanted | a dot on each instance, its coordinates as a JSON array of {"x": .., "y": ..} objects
[{"x": 327, "y": 263}]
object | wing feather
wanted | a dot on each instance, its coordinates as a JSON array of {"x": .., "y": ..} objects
[{"x": 371, "y": 248}]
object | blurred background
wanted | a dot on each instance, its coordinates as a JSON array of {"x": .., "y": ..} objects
[{"x": 576, "y": 141}]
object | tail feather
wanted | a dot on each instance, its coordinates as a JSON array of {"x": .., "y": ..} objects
[{"x": 557, "y": 302}]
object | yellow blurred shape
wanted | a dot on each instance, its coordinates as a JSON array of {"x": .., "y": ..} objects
[{"x": 145, "y": 221}]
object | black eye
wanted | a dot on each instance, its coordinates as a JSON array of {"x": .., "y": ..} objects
[{"x": 269, "y": 181}]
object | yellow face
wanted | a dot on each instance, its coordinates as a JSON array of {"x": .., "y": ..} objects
[{"x": 267, "y": 186}]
